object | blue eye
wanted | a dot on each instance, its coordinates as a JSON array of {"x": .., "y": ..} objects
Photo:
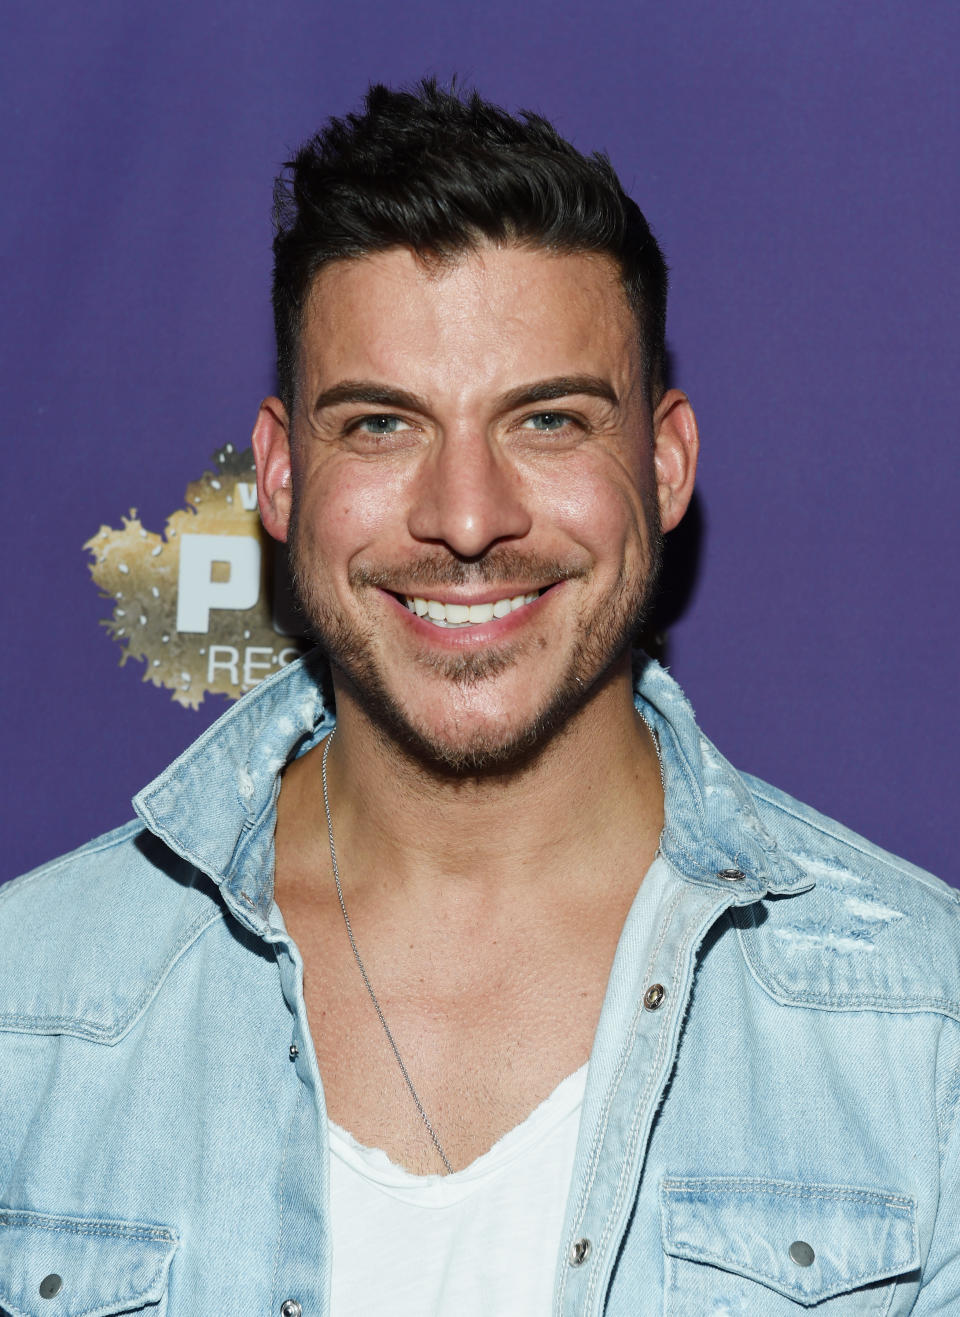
[
  {"x": 381, "y": 424},
  {"x": 546, "y": 422}
]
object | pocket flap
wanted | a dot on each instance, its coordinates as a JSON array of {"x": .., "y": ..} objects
[
  {"x": 93, "y": 1267},
  {"x": 806, "y": 1241}
]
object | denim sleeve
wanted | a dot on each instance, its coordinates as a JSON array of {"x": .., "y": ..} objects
[{"x": 940, "y": 1288}]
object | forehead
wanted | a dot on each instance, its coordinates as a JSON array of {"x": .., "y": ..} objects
[{"x": 483, "y": 320}]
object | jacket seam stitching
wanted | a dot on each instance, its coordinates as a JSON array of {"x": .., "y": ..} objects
[
  {"x": 902, "y": 1005},
  {"x": 118, "y": 1027},
  {"x": 106, "y": 1229},
  {"x": 857, "y": 1277},
  {"x": 95, "y": 847},
  {"x": 283, "y": 1164},
  {"x": 784, "y": 1189},
  {"x": 857, "y": 845}
]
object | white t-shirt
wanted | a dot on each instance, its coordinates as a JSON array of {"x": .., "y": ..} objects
[{"x": 482, "y": 1242}]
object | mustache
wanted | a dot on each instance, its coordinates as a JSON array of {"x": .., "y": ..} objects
[{"x": 505, "y": 564}]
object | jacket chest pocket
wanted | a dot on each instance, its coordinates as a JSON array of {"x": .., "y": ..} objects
[
  {"x": 738, "y": 1246},
  {"x": 67, "y": 1266}
]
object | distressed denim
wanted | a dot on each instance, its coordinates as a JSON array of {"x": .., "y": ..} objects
[{"x": 774, "y": 1130}]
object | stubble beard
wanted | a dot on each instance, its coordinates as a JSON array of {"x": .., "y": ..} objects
[{"x": 601, "y": 641}]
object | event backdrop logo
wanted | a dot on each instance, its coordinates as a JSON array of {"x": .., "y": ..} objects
[{"x": 206, "y": 605}]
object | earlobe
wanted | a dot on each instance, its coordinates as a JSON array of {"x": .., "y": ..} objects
[
  {"x": 676, "y": 444},
  {"x": 271, "y": 452}
]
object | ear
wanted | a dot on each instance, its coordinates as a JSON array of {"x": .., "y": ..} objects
[
  {"x": 676, "y": 443},
  {"x": 271, "y": 452}
]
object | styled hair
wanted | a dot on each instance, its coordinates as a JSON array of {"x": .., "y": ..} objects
[{"x": 441, "y": 172}]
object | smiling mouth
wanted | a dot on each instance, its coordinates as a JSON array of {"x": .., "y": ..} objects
[{"x": 465, "y": 615}]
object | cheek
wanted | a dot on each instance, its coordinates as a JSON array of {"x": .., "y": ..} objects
[
  {"x": 346, "y": 507},
  {"x": 599, "y": 506}
]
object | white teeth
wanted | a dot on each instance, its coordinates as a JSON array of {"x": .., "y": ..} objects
[{"x": 466, "y": 614}]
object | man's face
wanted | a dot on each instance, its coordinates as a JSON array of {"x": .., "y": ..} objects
[{"x": 474, "y": 523}]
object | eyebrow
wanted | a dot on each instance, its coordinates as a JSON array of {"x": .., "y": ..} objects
[
  {"x": 382, "y": 395},
  {"x": 379, "y": 395},
  {"x": 563, "y": 386}
]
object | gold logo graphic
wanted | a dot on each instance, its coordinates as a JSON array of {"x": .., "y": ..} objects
[{"x": 207, "y": 604}]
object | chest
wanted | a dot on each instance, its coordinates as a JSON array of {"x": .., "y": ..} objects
[{"x": 474, "y": 1035}]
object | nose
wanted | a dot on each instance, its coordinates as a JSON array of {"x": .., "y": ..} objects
[{"x": 468, "y": 496}]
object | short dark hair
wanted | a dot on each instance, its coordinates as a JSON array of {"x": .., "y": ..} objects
[{"x": 439, "y": 172}]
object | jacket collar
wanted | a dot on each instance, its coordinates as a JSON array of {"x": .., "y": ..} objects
[
  {"x": 215, "y": 804},
  {"x": 712, "y": 833}
]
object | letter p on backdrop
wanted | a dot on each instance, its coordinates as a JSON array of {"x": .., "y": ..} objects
[{"x": 198, "y": 591}]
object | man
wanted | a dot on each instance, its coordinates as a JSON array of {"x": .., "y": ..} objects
[{"x": 509, "y": 996}]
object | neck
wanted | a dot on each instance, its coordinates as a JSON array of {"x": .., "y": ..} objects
[{"x": 593, "y": 790}]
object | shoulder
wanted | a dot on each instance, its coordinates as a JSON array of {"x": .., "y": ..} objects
[
  {"x": 89, "y": 937},
  {"x": 812, "y": 839},
  {"x": 871, "y": 932}
]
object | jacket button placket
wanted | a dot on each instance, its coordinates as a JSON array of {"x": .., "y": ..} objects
[
  {"x": 599, "y": 1227},
  {"x": 303, "y": 1251}
]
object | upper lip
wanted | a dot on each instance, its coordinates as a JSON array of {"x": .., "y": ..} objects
[{"x": 489, "y": 595}]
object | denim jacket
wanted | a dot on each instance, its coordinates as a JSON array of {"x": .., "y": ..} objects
[{"x": 770, "y": 1118}]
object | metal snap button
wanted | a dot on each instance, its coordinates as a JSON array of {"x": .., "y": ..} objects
[
  {"x": 51, "y": 1286},
  {"x": 579, "y": 1252},
  {"x": 653, "y": 997},
  {"x": 801, "y": 1253},
  {"x": 294, "y": 1051},
  {"x": 290, "y": 1308},
  {"x": 732, "y": 875}
]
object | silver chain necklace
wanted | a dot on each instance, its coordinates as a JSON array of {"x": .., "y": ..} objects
[{"x": 363, "y": 973}]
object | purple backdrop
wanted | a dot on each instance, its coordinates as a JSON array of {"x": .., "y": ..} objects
[{"x": 799, "y": 165}]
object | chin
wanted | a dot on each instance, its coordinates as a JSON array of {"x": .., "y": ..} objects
[
  {"x": 486, "y": 750},
  {"x": 469, "y": 741}
]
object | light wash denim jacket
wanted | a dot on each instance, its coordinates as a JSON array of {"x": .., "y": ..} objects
[{"x": 779, "y": 1132}]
